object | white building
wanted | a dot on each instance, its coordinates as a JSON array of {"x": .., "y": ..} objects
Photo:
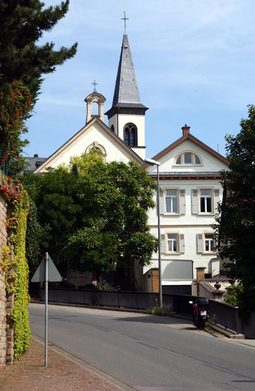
[
  {"x": 189, "y": 177},
  {"x": 190, "y": 189}
]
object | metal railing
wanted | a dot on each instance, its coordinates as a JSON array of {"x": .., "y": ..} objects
[{"x": 220, "y": 313}]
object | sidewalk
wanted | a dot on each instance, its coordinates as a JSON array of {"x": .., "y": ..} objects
[{"x": 29, "y": 374}]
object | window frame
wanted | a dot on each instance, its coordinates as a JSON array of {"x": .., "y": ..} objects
[
  {"x": 180, "y": 201},
  {"x": 202, "y": 238},
  {"x": 196, "y": 200},
  {"x": 179, "y": 241},
  {"x": 204, "y": 202},
  {"x": 130, "y": 135},
  {"x": 182, "y": 157}
]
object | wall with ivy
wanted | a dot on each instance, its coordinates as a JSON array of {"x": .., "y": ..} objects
[
  {"x": 3, "y": 242},
  {"x": 15, "y": 268}
]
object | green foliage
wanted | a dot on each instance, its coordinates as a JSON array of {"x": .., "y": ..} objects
[
  {"x": 33, "y": 238},
  {"x": 103, "y": 285},
  {"x": 22, "y": 25},
  {"x": 234, "y": 293},
  {"x": 20, "y": 315},
  {"x": 94, "y": 217},
  {"x": 58, "y": 212},
  {"x": 22, "y": 64},
  {"x": 15, "y": 107},
  {"x": 237, "y": 221},
  {"x": 16, "y": 269},
  {"x": 115, "y": 198},
  {"x": 160, "y": 311}
]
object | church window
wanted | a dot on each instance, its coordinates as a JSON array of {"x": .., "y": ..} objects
[
  {"x": 96, "y": 148},
  {"x": 112, "y": 128},
  {"x": 130, "y": 135},
  {"x": 188, "y": 158}
]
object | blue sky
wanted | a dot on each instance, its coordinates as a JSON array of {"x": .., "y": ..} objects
[{"x": 194, "y": 62}]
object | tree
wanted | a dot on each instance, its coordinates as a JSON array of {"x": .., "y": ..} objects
[
  {"x": 114, "y": 233},
  {"x": 15, "y": 108},
  {"x": 22, "y": 63},
  {"x": 53, "y": 215},
  {"x": 94, "y": 215},
  {"x": 22, "y": 25},
  {"x": 237, "y": 221}
]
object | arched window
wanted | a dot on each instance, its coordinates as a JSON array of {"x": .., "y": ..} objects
[
  {"x": 188, "y": 158},
  {"x": 95, "y": 109},
  {"x": 97, "y": 148},
  {"x": 112, "y": 128},
  {"x": 130, "y": 135}
]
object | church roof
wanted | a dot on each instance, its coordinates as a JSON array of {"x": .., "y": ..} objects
[{"x": 126, "y": 89}]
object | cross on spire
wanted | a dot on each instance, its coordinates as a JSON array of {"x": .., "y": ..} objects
[
  {"x": 125, "y": 21},
  {"x": 95, "y": 84}
]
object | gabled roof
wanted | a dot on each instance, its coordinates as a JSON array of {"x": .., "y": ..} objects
[
  {"x": 32, "y": 163},
  {"x": 194, "y": 140},
  {"x": 108, "y": 131}
]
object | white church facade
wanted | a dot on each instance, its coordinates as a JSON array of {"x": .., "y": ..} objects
[{"x": 189, "y": 179}]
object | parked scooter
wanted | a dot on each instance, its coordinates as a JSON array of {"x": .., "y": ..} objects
[{"x": 200, "y": 312}]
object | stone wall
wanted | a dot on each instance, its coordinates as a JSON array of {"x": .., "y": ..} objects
[{"x": 3, "y": 241}]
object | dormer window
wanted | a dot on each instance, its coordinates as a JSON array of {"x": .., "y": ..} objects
[{"x": 188, "y": 158}]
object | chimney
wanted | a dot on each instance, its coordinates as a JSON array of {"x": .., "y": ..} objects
[{"x": 185, "y": 130}]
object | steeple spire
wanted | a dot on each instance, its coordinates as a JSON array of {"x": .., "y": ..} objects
[{"x": 126, "y": 89}]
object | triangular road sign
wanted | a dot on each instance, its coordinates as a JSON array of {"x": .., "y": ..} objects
[{"x": 53, "y": 274}]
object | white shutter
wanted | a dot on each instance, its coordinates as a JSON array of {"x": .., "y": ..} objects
[
  {"x": 216, "y": 199},
  {"x": 161, "y": 202},
  {"x": 194, "y": 202},
  {"x": 182, "y": 202},
  {"x": 182, "y": 243},
  {"x": 199, "y": 243},
  {"x": 214, "y": 244},
  {"x": 163, "y": 243}
]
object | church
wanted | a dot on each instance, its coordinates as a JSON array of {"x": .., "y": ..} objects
[{"x": 187, "y": 174}]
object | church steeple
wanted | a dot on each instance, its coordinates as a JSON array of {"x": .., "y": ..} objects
[
  {"x": 126, "y": 89},
  {"x": 127, "y": 114}
]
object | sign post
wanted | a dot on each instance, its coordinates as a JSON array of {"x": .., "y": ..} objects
[
  {"x": 46, "y": 272},
  {"x": 46, "y": 310}
]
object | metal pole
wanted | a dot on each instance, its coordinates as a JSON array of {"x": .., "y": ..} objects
[
  {"x": 159, "y": 243},
  {"x": 46, "y": 310}
]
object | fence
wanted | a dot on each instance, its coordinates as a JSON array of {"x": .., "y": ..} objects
[{"x": 220, "y": 313}]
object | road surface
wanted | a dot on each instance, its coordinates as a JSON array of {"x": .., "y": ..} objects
[{"x": 146, "y": 352}]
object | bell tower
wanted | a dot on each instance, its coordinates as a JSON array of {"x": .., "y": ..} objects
[
  {"x": 127, "y": 114},
  {"x": 95, "y": 105}
]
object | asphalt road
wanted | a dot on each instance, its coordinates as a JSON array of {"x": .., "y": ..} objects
[{"x": 146, "y": 352}]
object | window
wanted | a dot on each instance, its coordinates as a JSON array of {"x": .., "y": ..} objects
[
  {"x": 130, "y": 135},
  {"x": 206, "y": 243},
  {"x": 188, "y": 158},
  {"x": 205, "y": 201},
  {"x": 172, "y": 243},
  {"x": 172, "y": 201},
  {"x": 96, "y": 148},
  {"x": 209, "y": 243}
]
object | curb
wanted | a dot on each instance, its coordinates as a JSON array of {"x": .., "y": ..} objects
[{"x": 226, "y": 332}]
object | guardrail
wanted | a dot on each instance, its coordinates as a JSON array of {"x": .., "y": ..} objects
[{"x": 220, "y": 313}]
